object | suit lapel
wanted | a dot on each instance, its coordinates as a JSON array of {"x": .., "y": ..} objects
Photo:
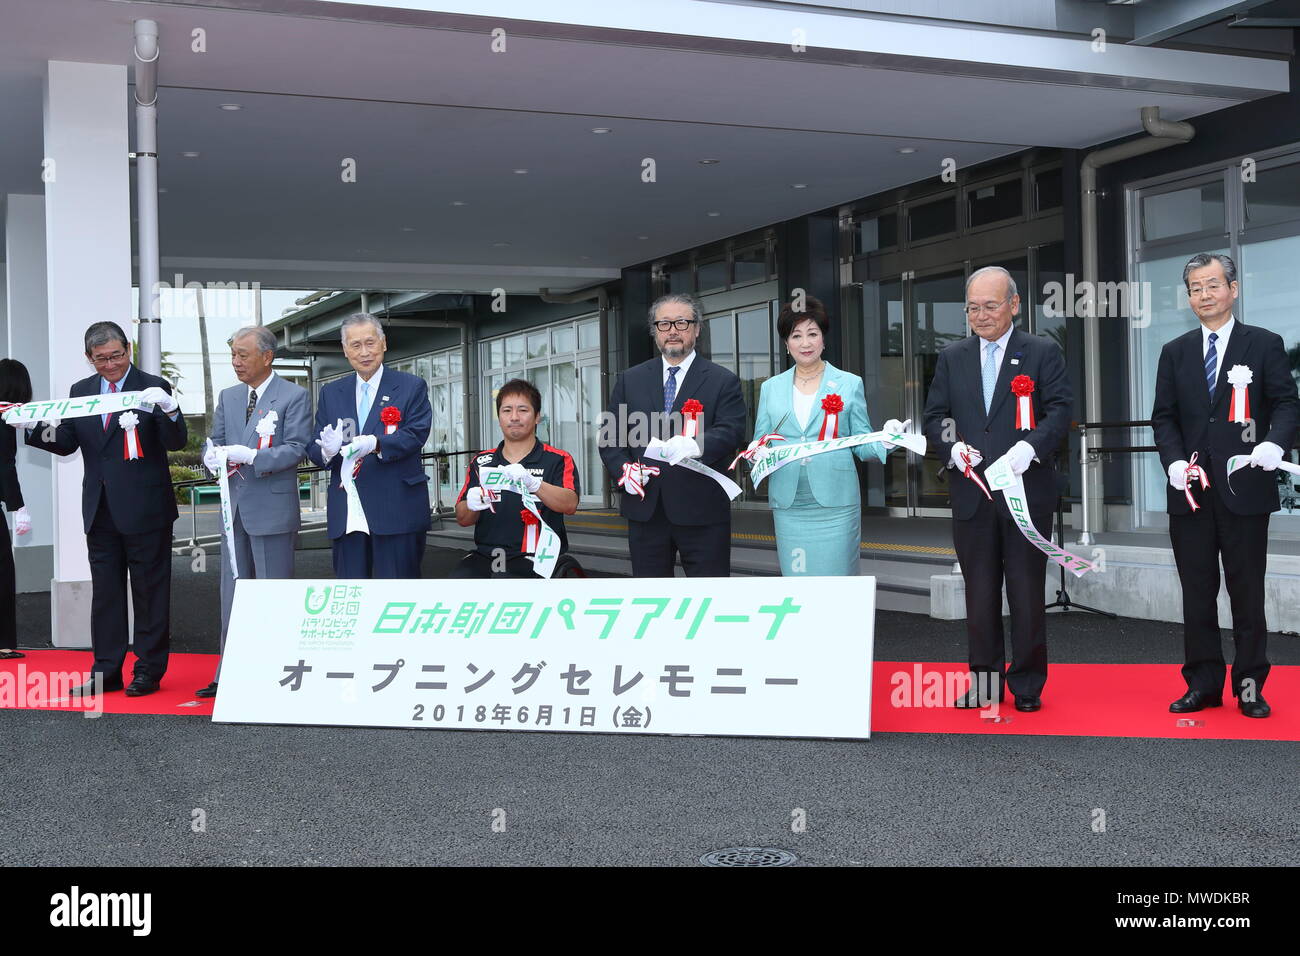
[
  {"x": 265, "y": 402},
  {"x": 686, "y": 388},
  {"x": 377, "y": 396},
  {"x": 1232, "y": 355},
  {"x": 130, "y": 382},
  {"x": 975, "y": 374}
]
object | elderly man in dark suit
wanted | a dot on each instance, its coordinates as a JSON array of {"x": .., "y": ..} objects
[
  {"x": 128, "y": 508},
  {"x": 971, "y": 420},
  {"x": 1198, "y": 428},
  {"x": 377, "y": 421},
  {"x": 677, "y": 511}
]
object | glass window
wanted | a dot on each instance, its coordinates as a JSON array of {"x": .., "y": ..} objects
[
  {"x": 1049, "y": 190},
  {"x": 928, "y": 220},
  {"x": 1183, "y": 211},
  {"x": 878, "y": 232},
  {"x": 994, "y": 203},
  {"x": 677, "y": 278},
  {"x": 439, "y": 365},
  {"x": 1274, "y": 196},
  {"x": 589, "y": 334},
  {"x": 713, "y": 274},
  {"x": 541, "y": 379},
  {"x": 539, "y": 345},
  {"x": 496, "y": 354},
  {"x": 454, "y": 358},
  {"x": 563, "y": 340},
  {"x": 751, "y": 264},
  {"x": 722, "y": 340},
  {"x": 424, "y": 368},
  {"x": 514, "y": 350},
  {"x": 1051, "y": 279}
]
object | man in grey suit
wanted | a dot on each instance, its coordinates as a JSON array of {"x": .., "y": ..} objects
[{"x": 264, "y": 424}]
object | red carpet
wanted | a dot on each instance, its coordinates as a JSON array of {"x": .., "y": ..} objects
[{"x": 1080, "y": 700}]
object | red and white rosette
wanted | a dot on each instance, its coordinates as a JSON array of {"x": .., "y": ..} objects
[
  {"x": 1239, "y": 377},
  {"x": 1022, "y": 386},
  {"x": 691, "y": 418},
  {"x": 750, "y": 453},
  {"x": 391, "y": 416},
  {"x": 1195, "y": 473},
  {"x": 832, "y": 405},
  {"x": 532, "y": 528},
  {"x": 131, "y": 450},
  {"x": 635, "y": 476},
  {"x": 266, "y": 428}
]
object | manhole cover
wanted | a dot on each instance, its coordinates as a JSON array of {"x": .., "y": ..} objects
[{"x": 749, "y": 856}]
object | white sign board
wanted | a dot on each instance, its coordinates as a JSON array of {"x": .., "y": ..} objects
[{"x": 772, "y": 657}]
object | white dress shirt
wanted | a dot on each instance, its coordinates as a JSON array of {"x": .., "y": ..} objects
[
  {"x": 684, "y": 366},
  {"x": 374, "y": 392}
]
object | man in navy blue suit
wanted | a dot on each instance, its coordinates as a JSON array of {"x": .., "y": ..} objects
[
  {"x": 128, "y": 508},
  {"x": 376, "y": 421}
]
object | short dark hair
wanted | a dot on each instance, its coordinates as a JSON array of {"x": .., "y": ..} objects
[
  {"x": 520, "y": 386},
  {"x": 812, "y": 309},
  {"x": 1203, "y": 259},
  {"x": 15, "y": 383},
  {"x": 101, "y": 333}
]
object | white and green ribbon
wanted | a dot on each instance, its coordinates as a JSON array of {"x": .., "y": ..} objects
[
  {"x": 494, "y": 478},
  {"x": 1003, "y": 479},
  {"x": 694, "y": 464},
  {"x": 356, "y": 514},
  {"x": 110, "y": 403},
  {"x": 227, "y": 513},
  {"x": 777, "y": 456}
]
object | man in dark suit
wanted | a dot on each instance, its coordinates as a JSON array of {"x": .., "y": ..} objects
[
  {"x": 128, "y": 509},
  {"x": 677, "y": 511},
  {"x": 1193, "y": 420},
  {"x": 380, "y": 418},
  {"x": 971, "y": 420}
]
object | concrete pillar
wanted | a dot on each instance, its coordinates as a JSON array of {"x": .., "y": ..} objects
[
  {"x": 27, "y": 340},
  {"x": 88, "y": 279}
]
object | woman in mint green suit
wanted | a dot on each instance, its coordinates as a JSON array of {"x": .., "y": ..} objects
[{"x": 816, "y": 504}]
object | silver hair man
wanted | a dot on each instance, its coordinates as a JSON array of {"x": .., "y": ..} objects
[
  {"x": 265, "y": 338},
  {"x": 360, "y": 318},
  {"x": 1012, "y": 291}
]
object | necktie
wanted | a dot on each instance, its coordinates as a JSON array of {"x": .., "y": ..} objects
[
  {"x": 990, "y": 374},
  {"x": 112, "y": 387},
  {"x": 670, "y": 389},
  {"x": 252, "y": 404},
  {"x": 1211, "y": 364},
  {"x": 363, "y": 410}
]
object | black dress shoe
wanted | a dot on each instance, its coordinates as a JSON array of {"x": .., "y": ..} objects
[
  {"x": 89, "y": 688},
  {"x": 1029, "y": 704},
  {"x": 209, "y": 691},
  {"x": 1195, "y": 700},
  {"x": 140, "y": 687},
  {"x": 1254, "y": 708}
]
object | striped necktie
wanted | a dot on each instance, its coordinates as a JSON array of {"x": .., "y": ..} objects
[{"x": 1211, "y": 364}]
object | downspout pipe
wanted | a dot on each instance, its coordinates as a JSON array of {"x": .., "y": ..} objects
[
  {"x": 146, "y": 193},
  {"x": 601, "y": 298},
  {"x": 1162, "y": 134}
]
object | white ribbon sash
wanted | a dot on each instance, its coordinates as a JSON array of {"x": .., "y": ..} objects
[
  {"x": 692, "y": 464},
  {"x": 1001, "y": 478},
  {"x": 1238, "y": 462},
  {"x": 33, "y": 413},
  {"x": 494, "y": 478},
  {"x": 227, "y": 515},
  {"x": 356, "y": 514},
  {"x": 778, "y": 456}
]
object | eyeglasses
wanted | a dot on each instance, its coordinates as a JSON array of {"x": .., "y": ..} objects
[
  {"x": 989, "y": 308},
  {"x": 681, "y": 325},
  {"x": 1212, "y": 287},
  {"x": 108, "y": 359}
]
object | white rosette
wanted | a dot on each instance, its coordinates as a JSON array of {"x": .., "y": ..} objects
[
  {"x": 131, "y": 450},
  {"x": 1239, "y": 377},
  {"x": 266, "y": 428}
]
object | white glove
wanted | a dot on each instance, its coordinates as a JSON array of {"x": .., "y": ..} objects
[
  {"x": 159, "y": 397},
  {"x": 895, "y": 427},
  {"x": 1020, "y": 457},
  {"x": 331, "y": 440},
  {"x": 962, "y": 448},
  {"x": 359, "y": 447},
  {"x": 1266, "y": 455},
  {"x": 210, "y": 460},
  {"x": 240, "y": 454},
  {"x": 679, "y": 447},
  {"x": 519, "y": 473},
  {"x": 22, "y": 521},
  {"x": 1178, "y": 475},
  {"x": 480, "y": 499}
]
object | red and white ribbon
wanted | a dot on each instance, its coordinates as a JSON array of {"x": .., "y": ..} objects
[
  {"x": 1022, "y": 386},
  {"x": 749, "y": 453},
  {"x": 635, "y": 476},
  {"x": 832, "y": 405},
  {"x": 131, "y": 450},
  {"x": 1239, "y": 377},
  {"x": 266, "y": 428},
  {"x": 1194, "y": 473},
  {"x": 532, "y": 527},
  {"x": 691, "y": 411},
  {"x": 969, "y": 471}
]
